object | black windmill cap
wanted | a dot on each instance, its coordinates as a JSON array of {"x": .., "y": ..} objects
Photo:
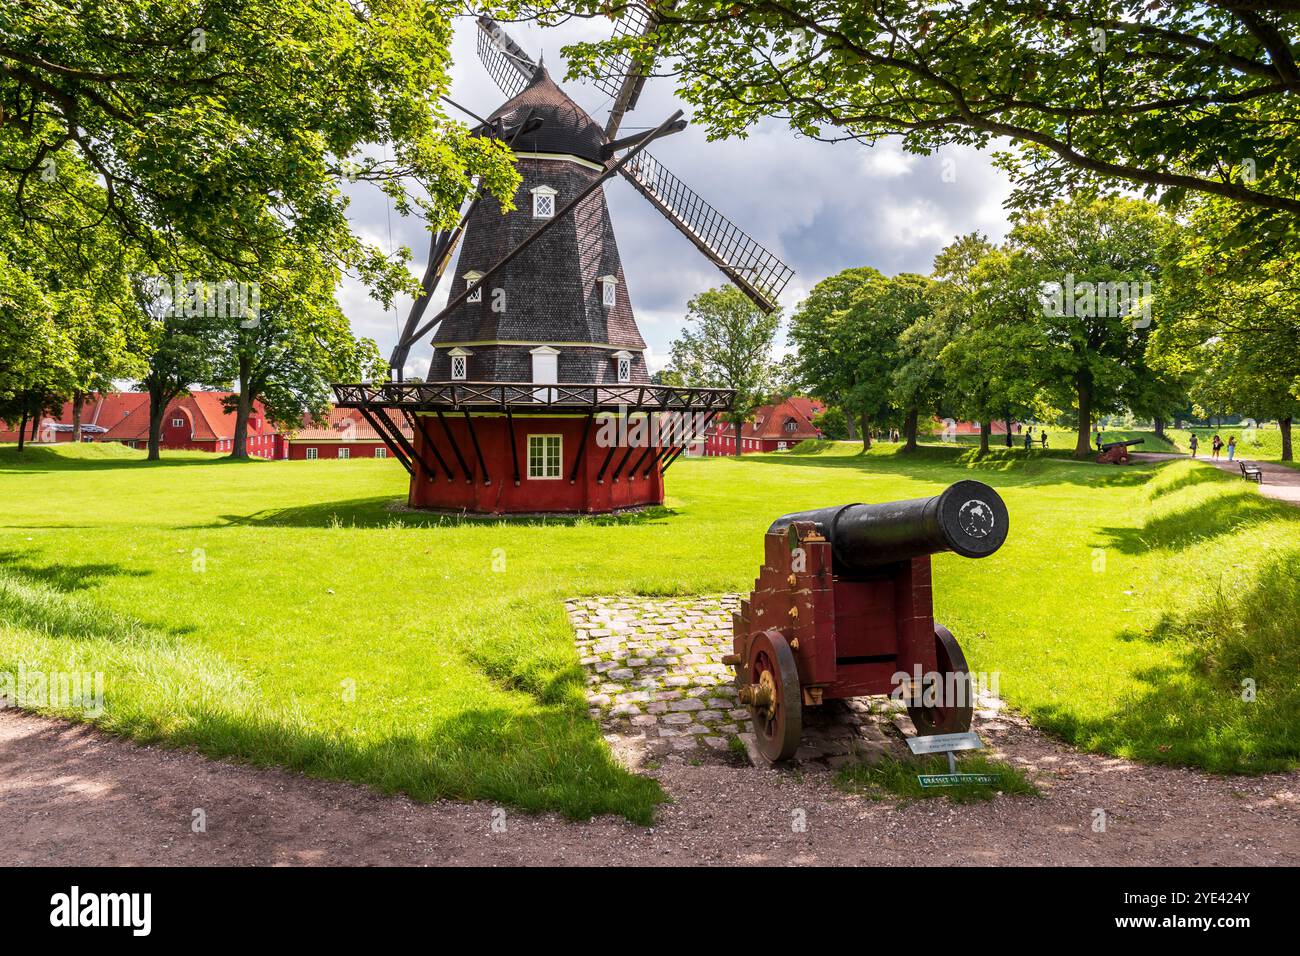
[{"x": 566, "y": 128}]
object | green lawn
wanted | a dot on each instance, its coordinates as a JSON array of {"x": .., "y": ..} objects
[{"x": 237, "y": 606}]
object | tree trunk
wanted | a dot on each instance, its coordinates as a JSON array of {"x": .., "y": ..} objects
[
  {"x": 78, "y": 399},
  {"x": 1008, "y": 429},
  {"x": 1082, "y": 447},
  {"x": 737, "y": 427},
  {"x": 1160, "y": 427},
  {"x": 1285, "y": 425},
  {"x": 239, "y": 446},
  {"x": 984, "y": 438},
  {"x": 910, "y": 426},
  {"x": 22, "y": 429},
  {"x": 851, "y": 427},
  {"x": 866, "y": 431},
  {"x": 36, "y": 420},
  {"x": 157, "y": 408}
]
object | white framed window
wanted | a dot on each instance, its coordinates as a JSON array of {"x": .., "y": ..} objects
[
  {"x": 178, "y": 423},
  {"x": 544, "y": 202},
  {"x": 470, "y": 278},
  {"x": 623, "y": 366},
  {"x": 311, "y": 454},
  {"x": 545, "y": 456},
  {"x": 459, "y": 364},
  {"x": 381, "y": 452},
  {"x": 608, "y": 290},
  {"x": 345, "y": 452}
]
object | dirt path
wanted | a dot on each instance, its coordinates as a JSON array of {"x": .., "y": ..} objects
[
  {"x": 1279, "y": 481},
  {"x": 70, "y": 795}
]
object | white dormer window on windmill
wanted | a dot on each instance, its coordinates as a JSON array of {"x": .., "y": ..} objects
[
  {"x": 470, "y": 278},
  {"x": 544, "y": 201},
  {"x": 623, "y": 366},
  {"x": 608, "y": 285},
  {"x": 459, "y": 364}
]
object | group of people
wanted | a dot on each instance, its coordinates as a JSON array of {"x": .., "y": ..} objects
[
  {"x": 1029, "y": 438},
  {"x": 1217, "y": 445}
]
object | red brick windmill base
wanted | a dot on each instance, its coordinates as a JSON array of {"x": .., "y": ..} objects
[
  {"x": 523, "y": 448},
  {"x": 580, "y": 488}
]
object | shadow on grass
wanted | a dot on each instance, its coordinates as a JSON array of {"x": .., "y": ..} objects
[
  {"x": 63, "y": 577},
  {"x": 385, "y": 511},
  {"x": 1013, "y": 466},
  {"x": 1183, "y": 528},
  {"x": 40, "y": 459},
  {"x": 1230, "y": 700}
]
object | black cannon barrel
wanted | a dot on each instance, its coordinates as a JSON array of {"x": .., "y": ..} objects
[
  {"x": 967, "y": 517},
  {"x": 1106, "y": 446}
]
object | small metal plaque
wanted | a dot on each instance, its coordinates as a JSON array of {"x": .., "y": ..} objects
[
  {"x": 955, "y": 779},
  {"x": 938, "y": 743}
]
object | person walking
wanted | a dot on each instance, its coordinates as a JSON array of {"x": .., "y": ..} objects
[
  {"x": 1194, "y": 443},
  {"x": 1216, "y": 446},
  {"x": 1029, "y": 438},
  {"x": 1232, "y": 447},
  {"x": 1044, "y": 436}
]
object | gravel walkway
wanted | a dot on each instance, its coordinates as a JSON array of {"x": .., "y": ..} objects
[
  {"x": 72, "y": 796},
  {"x": 1279, "y": 482}
]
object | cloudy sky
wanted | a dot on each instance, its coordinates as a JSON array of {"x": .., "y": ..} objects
[{"x": 820, "y": 207}]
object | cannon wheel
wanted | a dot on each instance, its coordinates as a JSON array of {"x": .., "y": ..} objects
[
  {"x": 778, "y": 716},
  {"x": 953, "y": 719}
]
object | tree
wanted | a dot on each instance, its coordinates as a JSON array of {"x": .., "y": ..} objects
[
  {"x": 728, "y": 344},
  {"x": 180, "y": 355},
  {"x": 288, "y": 354},
  {"x": 987, "y": 359},
  {"x": 1091, "y": 266},
  {"x": 220, "y": 129},
  {"x": 1230, "y": 320},
  {"x": 825, "y": 351},
  {"x": 917, "y": 379},
  {"x": 1172, "y": 97}
]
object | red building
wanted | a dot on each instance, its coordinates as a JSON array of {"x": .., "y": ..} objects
[
  {"x": 343, "y": 433},
  {"x": 773, "y": 428},
  {"x": 194, "y": 422}
]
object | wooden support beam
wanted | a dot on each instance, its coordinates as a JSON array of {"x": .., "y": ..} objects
[
  {"x": 600, "y": 475},
  {"x": 388, "y": 442},
  {"x": 514, "y": 452},
  {"x": 582, "y": 448},
  {"x": 619, "y": 469},
  {"x": 446, "y": 430},
  {"x": 428, "y": 440},
  {"x": 478, "y": 452}
]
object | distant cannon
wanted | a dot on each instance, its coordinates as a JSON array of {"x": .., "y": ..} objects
[
  {"x": 842, "y": 607},
  {"x": 1116, "y": 452}
]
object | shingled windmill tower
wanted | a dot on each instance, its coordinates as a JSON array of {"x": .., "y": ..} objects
[{"x": 538, "y": 398}]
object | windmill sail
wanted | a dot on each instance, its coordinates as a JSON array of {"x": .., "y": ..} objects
[
  {"x": 505, "y": 60},
  {"x": 756, "y": 271},
  {"x": 621, "y": 76}
]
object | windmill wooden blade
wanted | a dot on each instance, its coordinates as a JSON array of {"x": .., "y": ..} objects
[
  {"x": 621, "y": 76},
  {"x": 755, "y": 271},
  {"x": 505, "y": 60}
]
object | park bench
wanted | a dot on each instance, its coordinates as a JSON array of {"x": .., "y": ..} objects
[{"x": 1251, "y": 472}]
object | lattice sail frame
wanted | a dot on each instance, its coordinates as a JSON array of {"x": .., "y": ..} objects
[
  {"x": 634, "y": 22},
  {"x": 505, "y": 60}
]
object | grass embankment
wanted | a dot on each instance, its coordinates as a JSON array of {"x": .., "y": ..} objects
[{"x": 281, "y": 613}]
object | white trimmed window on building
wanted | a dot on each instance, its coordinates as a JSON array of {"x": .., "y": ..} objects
[
  {"x": 608, "y": 290},
  {"x": 545, "y": 456},
  {"x": 470, "y": 278},
  {"x": 381, "y": 452},
  {"x": 345, "y": 452},
  {"x": 544, "y": 201},
  {"x": 459, "y": 364},
  {"x": 623, "y": 366},
  {"x": 311, "y": 454}
]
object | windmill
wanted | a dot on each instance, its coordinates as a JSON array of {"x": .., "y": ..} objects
[{"x": 537, "y": 356}]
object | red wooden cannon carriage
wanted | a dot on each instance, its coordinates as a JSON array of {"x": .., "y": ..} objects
[
  {"x": 1116, "y": 452},
  {"x": 842, "y": 608}
]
